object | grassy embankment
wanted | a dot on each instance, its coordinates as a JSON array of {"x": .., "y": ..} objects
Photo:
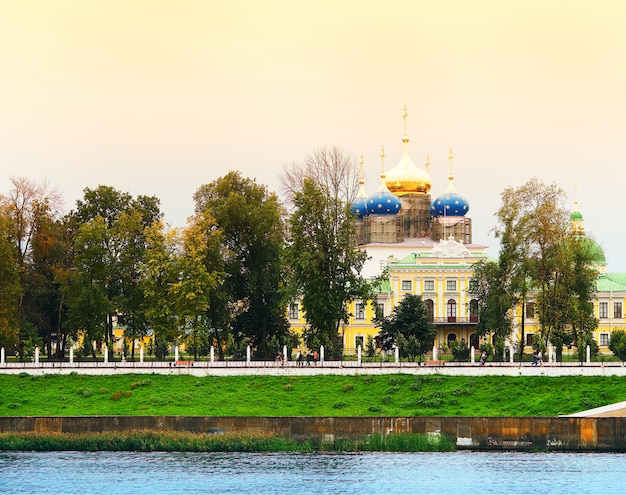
[
  {"x": 390, "y": 395},
  {"x": 365, "y": 395}
]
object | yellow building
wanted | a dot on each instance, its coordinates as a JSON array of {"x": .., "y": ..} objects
[{"x": 427, "y": 247}]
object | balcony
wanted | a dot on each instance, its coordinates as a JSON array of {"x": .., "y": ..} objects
[{"x": 458, "y": 320}]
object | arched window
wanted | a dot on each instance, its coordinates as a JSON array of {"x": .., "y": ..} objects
[
  {"x": 451, "y": 310},
  {"x": 430, "y": 309},
  {"x": 474, "y": 310},
  {"x": 451, "y": 338},
  {"x": 474, "y": 341}
]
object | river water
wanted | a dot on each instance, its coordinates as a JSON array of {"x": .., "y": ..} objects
[{"x": 126, "y": 473}]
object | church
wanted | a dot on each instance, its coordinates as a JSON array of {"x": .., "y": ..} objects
[{"x": 426, "y": 245}]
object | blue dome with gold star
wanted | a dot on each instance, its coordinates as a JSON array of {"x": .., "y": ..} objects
[
  {"x": 383, "y": 202},
  {"x": 358, "y": 207},
  {"x": 450, "y": 203}
]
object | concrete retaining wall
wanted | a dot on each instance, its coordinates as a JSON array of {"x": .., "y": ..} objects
[{"x": 478, "y": 433}]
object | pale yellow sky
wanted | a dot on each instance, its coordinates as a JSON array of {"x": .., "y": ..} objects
[{"x": 159, "y": 97}]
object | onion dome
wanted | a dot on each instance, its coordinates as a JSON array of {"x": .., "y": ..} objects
[
  {"x": 359, "y": 205},
  {"x": 406, "y": 177},
  {"x": 593, "y": 249},
  {"x": 450, "y": 204},
  {"x": 383, "y": 202},
  {"x": 577, "y": 220}
]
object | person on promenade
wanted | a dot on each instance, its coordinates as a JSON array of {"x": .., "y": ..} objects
[
  {"x": 279, "y": 358},
  {"x": 299, "y": 358},
  {"x": 316, "y": 356},
  {"x": 539, "y": 357},
  {"x": 535, "y": 357},
  {"x": 483, "y": 358}
]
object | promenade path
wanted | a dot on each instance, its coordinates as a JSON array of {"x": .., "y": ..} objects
[{"x": 242, "y": 368}]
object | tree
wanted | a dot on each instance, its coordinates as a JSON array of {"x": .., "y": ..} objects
[
  {"x": 44, "y": 303},
  {"x": 617, "y": 344},
  {"x": 325, "y": 267},
  {"x": 85, "y": 287},
  {"x": 26, "y": 207},
  {"x": 495, "y": 300},
  {"x": 161, "y": 272},
  {"x": 253, "y": 236},
  {"x": 10, "y": 288},
  {"x": 328, "y": 167},
  {"x": 121, "y": 222},
  {"x": 539, "y": 255},
  {"x": 201, "y": 273},
  {"x": 409, "y": 327}
]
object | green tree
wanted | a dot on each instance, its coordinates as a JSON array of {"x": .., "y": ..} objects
[
  {"x": 325, "y": 267},
  {"x": 85, "y": 286},
  {"x": 44, "y": 304},
  {"x": 200, "y": 275},
  {"x": 495, "y": 300},
  {"x": 121, "y": 237},
  {"x": 250, "y": 219},
  {"x": 617, "y": 344},
  {"x": 27, "y": 206},
  {"x": 370, "y": 347},
  {"x": 409, "y": 327},
  {"x": 541, "y": 256},
  {"x": 161, "y": 272},
  {"x": 10, "y": 288}
]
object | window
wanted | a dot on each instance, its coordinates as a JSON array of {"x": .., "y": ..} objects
[
  {"x": 407, "y": 285},
  {"x": 604, "y": 310},
  {"x": 474, "y": 310},
  {"x": 380, "y": 310},
  {"x": 451, "y": 310},
  {"x": 360, "y": 311},
  {"x": 529, "y": 339},
  {"x": 473, "y": 285},
  {"x": 294, "y": 311},
  {"x": 617, "y": 310},
  {"x": 604, "y": 339},
  {"x": 358, "y": 341},
  {"x": 451, "y": 285},
  {"x": 530, "y": 310},
  {"x": 430, "y": 309},
  {"x": 451, "y": 338},
  {"x": 429, "y": 285}
]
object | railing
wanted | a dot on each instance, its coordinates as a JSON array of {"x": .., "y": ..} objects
[{"x": 455, "y": 319}]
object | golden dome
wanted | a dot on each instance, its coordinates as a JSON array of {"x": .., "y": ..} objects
[{"x": 406, "y": 177}]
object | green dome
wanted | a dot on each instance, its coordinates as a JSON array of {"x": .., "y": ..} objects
[
  {"x": 576, "y": 215},
  {"x": 594, "y": 249}
]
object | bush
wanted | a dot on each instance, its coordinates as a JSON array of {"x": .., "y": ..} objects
[
  {"x": 617, "y": 344},
  {"x": 460, "y": 351}
]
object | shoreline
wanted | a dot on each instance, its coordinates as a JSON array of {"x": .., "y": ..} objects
[{"x": 567, "y": 434}]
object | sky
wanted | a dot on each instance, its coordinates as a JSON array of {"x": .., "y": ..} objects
[{"x": 159, "y": 97}]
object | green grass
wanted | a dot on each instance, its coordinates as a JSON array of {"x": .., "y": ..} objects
[
  {"x": 150, "y": 441},
  {"x": 365, "y": 395}
]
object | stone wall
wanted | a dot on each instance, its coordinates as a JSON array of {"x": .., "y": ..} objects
[{"x": 478, "y": 433}]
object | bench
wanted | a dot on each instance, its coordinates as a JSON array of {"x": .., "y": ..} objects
[
  {"x": 184, "y": 363},
  {"x": 435, "y": 362}
]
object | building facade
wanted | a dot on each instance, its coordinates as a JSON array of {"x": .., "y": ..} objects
[{"x": 426, "y": 245}]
